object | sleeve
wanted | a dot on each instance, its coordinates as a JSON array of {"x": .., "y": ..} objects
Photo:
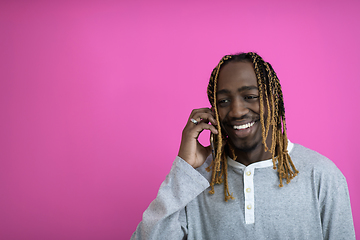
[
  {"x": 335, "y": 208},
  {"x": 165, "y": 218}
]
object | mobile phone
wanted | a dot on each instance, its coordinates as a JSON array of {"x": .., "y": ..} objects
[{"x": 212, "y": 145}]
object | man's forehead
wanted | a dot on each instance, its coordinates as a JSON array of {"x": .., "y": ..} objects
[
  {"x": 239, "y": 68},
  {"x": 237, "y": 75}
]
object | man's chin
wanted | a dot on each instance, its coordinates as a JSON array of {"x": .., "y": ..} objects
[{"x": 245, "y": 147}]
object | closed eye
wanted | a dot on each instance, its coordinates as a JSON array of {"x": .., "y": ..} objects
[{"x": 251, "y": 97}]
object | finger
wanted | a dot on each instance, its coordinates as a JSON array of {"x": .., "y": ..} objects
[
  {"x": 204, "y": 126},
  {"x": 204, "y": 117},
  {"x": 200, "y": 110}
]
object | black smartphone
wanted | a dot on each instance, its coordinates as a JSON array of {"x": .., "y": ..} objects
[{"x": 212, "y": 145}]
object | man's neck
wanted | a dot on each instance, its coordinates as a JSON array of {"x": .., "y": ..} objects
[
  {"x": 256, "y": 154},
  {"x": 250, "y": 157}
]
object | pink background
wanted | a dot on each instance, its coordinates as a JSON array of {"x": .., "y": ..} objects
[{"x": 94, "y": 96}]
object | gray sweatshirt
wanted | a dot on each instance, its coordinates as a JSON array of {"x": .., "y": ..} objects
[{"x": 314, "y": 205}]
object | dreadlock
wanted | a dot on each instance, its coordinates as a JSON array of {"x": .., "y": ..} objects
[{"x": 271, "y": 97}]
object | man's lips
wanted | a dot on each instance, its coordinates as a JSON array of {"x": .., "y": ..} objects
[
  {"x": 242, "y": 129},
  {"x": 243, "y": 126}
]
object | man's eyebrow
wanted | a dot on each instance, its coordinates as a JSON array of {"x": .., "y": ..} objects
[{"x": 225, "y": 91}]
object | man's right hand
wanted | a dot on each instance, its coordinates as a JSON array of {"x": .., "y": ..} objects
[{"x": 191, "y": 150}]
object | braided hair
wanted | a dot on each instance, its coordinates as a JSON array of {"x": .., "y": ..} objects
[{"x": 272, "y": 97}]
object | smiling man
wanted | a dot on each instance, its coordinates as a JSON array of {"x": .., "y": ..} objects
[
  {"x": 239, "y": 111},
  {"x": 238, "y": 192}
]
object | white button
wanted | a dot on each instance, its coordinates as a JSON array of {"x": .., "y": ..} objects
[
  {"x": 248, "y": 173},
  {"x": 248, "y": 190},
  {"x": 249, "y": 206}
]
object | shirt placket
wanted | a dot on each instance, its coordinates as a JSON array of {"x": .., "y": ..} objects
[{"x": 249, "y": 195}]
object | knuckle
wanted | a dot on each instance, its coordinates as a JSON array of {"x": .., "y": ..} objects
[{"x": 195, "y": 110}]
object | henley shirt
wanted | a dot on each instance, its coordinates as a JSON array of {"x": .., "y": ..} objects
[{"x": 314, "y": 205}]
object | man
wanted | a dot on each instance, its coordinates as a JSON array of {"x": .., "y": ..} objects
[{"x": 236, "y": 193}]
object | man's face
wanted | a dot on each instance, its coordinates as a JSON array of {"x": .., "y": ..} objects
[{"x": 239, "y": 106}]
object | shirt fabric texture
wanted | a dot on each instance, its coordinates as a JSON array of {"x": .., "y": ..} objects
[{"x": 314, "y": 205}]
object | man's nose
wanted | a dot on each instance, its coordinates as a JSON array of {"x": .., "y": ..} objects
[{"x": 238, "y": 109}]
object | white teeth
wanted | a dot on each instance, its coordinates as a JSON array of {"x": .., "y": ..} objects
[{"x": 244, "y": 126}]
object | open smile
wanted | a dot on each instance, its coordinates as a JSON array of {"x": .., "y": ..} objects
[
  {"x": 243, "y": 130},
  {"x": 244, "y": 126}
]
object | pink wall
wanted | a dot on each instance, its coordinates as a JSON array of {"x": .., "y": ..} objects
[{"x": 94, "y": 96}]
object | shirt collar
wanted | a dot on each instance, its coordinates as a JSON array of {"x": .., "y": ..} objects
[{"x": 261, "y": 164}]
